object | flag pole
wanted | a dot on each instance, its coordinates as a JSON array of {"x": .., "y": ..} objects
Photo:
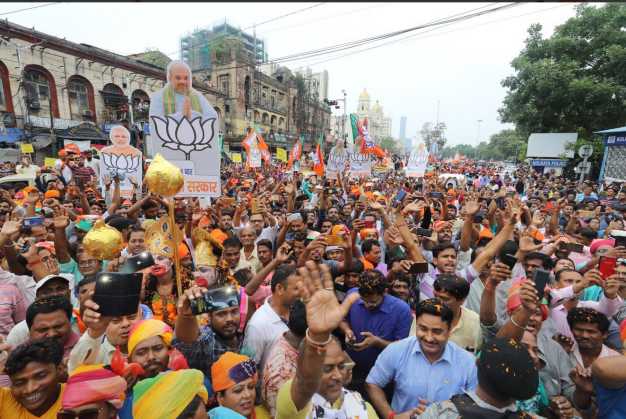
[{"x": 177, "y": 242}]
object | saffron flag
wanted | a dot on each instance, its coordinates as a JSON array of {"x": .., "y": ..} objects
[
  {"x": 256, "y": 149},
  {"x": 360, "y": 132},
  {"x": 295, "y": 153},
  {"x": 318, "y": 161}
]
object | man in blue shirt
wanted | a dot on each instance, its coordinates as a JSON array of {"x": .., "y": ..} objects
[
  {"x": 425, "y": 368},
  {"x": 373, "y": 322},
  {"x": 609, "y": 381}
]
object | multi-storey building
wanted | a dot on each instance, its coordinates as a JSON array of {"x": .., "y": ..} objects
[
  {"x": 53, "y": 90},
  {"x": 197, "y": 48},
  {"x": 379, "y": 124},
  {"x": 279, "y": 104}
]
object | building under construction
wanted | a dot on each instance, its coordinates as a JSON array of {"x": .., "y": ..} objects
[{"x": 197, "y": 48}]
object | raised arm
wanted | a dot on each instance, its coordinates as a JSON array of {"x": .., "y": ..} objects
[
  {"x": 323, "y": 314},
  {"x": 61, "y": 244},
  {"x": 510, "y": 218},
  {"x": 411, "y": 246}
]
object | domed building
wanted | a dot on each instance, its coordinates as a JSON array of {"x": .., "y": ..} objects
[{"x": 379, "y": 125}]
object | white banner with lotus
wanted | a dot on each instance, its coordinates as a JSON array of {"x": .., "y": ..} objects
[
  {"x": 183, "y": 129},
  {"x": 121, "y": 160}
]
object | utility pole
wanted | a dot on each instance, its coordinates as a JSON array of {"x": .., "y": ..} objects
[
  {"x": 131, "y": 117},
  {"x": 52, "y": 136},
  {"x": 478, "y": 134},
  {"x": 344, "y": 121}
]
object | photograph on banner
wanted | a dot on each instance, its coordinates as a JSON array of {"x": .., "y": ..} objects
[
  {"x": 122, "y": 160},
  {"x": 82, "y": 145},
  {"x": 256, "y": 149},
  {"x": 184, "y": 127},
  {"x": 337, "y": 159},
  {"x": 360, "y": 164},
  {"x": 418, "y": 160}
]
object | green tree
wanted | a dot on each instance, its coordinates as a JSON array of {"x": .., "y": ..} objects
[
  {"x": 508, "y": 144},
  {"x": 574, "y": 81},
  {"x": 389, "y": 144}
]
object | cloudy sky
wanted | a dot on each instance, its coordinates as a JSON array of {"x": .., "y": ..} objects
[{"x": 460, "y": 64}]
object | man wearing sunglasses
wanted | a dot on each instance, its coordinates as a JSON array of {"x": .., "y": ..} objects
[{"x": 203, "y": 346}]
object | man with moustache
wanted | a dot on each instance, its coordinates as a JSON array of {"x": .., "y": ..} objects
[
  {"x": 203, "y": 346},
  {"x": 149, "y": 345},
  {"x": 426, "y": 368}
]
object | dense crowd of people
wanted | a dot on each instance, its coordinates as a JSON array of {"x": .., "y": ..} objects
[{"x": 470, "y": 292}]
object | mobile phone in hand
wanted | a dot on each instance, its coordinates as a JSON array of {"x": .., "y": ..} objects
[
  {"x": 572, "y": 247},
  {"x": 541, "y": 279},
  {"x": 419, "y": 268},
  {"x": 424, "y": 232},
  {"x": 606, "y": 266},
  {"x": 509, "y": 260}
]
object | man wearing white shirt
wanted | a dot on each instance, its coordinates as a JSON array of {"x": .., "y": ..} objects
[{"x": 269, "y": 322}]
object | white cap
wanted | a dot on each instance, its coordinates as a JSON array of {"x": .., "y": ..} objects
[{"x": 68, "y": 277}]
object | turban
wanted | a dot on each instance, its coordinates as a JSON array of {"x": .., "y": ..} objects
[
  {"x": 231, "y": 369},
  {"x": 72, "y": 148},
  {"x": 168, "y": 394},
  {"x": 92, "y": 384},
  {"x": 622, "y": 330},
  {"x": 29, "y": 189},
  {"x": 218, "y": 235},
  {"x": 597, "y": 243},
  {"x": 364, "y": 232},
  {"x": 183, "y": 250},
  {"x": 52, "y": 193},
  {"x": 146, "y": 329},
  {"x": 222, "y": 412},
  {"x": 485, "y": 233}
]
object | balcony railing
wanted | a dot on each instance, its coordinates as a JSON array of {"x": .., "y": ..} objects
[{"x": 266, "y": 104}]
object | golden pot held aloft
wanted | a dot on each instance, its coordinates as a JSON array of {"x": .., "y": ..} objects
[
  {"x": 163, "y": 178},
  {"x": 103, "y": 242}
]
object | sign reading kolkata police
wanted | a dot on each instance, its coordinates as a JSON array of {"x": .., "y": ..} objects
[{"x": 183, "y": 128}]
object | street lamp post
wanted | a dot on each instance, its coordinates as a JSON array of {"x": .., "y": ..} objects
[{"x": 344, "y": 121}]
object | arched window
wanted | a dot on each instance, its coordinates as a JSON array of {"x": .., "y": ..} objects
[
  {"x": 281, "y": 122},
  {"x": 115, "y": 103},
  {"x": 257, "y": 116},
  {"x": 141, "y": 105},
  {"x": 273, "y": 120},
  {"x": 41, "y": 92},
  {"x": 6, "y": 102},
  {"x": 265, "y": 118},
  {"x": 80, "y": 93}
]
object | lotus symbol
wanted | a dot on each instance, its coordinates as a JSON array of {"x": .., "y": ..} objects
[
  {"x": 185, "y": 135},
  {"x": 121, "y": 164}
]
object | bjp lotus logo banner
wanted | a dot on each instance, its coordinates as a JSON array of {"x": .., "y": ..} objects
[
  {"x": 183, "y": 129},
  {"x": 121, "y": 160}
]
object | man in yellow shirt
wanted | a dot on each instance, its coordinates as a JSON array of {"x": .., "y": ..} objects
[
  {"x": 317, "y": 389},
  {"x": 35, "y": 371}
]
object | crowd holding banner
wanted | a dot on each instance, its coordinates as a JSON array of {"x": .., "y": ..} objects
[{"x": 361, "y": 285}]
